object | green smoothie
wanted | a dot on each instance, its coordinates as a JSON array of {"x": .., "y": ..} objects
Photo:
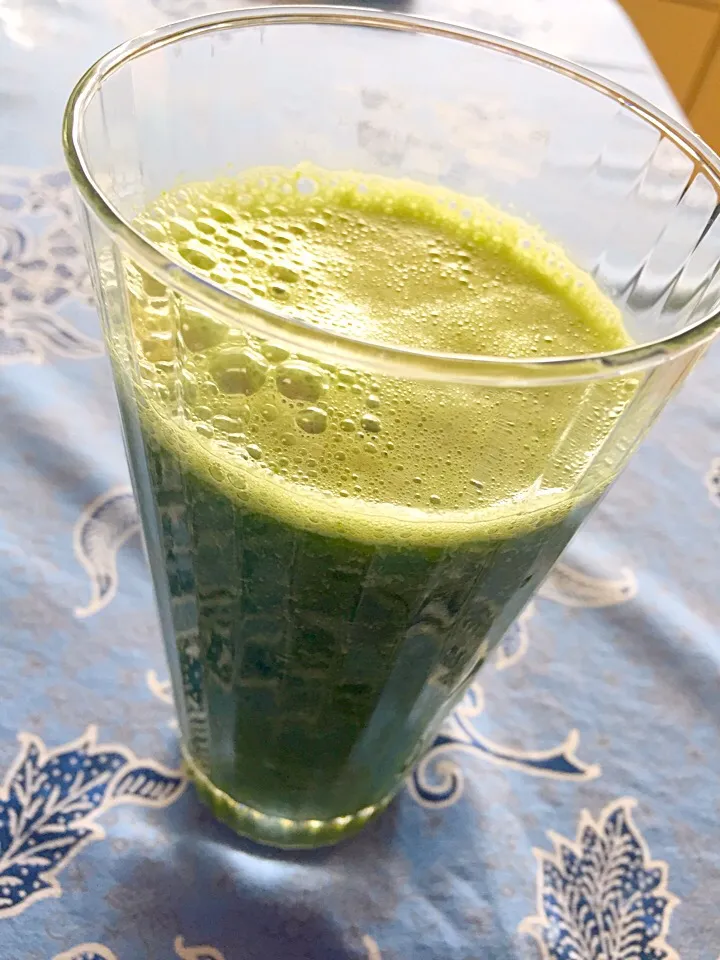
[{"x": 342, "y": 547}]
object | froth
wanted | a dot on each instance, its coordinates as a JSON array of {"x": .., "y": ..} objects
[{"x": 392, "y": 262}]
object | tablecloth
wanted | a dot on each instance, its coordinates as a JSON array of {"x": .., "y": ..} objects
[{"x": 571, "y": 808}]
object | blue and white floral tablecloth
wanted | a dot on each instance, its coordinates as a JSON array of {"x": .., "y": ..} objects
[{"x": 572, "y": 808}]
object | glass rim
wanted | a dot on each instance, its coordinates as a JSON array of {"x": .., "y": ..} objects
[{"x": 384, "y": 358}]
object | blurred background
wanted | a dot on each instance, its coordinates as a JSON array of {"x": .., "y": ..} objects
[{"x": 684, "y": 38}]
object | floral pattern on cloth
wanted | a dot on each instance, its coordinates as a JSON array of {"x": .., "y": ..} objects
[
  {"x": 620, "y": 644},
  {"x": 438, "y": 781},
  {"x": 96, "y": 951},
  {"x": 50, "y": 802},
  {"x": 42, "y": 270},
  {"x": 602, "y": 897},
  {"x": 103, "y": 527}
]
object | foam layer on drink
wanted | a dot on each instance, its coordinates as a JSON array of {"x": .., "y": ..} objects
[{"x": 342, "y": 450}]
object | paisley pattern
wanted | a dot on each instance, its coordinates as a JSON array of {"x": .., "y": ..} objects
[
  {"x": 103, "y": 527},
  {"x": 602, "y": 897},
  {"x": 96, "y": 951},
  {"x": 159, "y": 688},
  {"x": 28, "y": 336},
  {"x": 573, "y": 588},
  {"x": 196, "y": 953},
  {"x": 42, "y": 270},
  {"x": 49, "y": 804},
  {"x": 373, "y": 951},
  {"x": 87, "y": 951},
  {"x": 438, "y": 781},
  {"x": 712, "y": 482},
  {"x": 514, "y": 644},
  {"x": 162, "y": 690}
]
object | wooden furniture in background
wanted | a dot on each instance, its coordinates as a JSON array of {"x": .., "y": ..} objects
[{"x": 684, "y": 38}]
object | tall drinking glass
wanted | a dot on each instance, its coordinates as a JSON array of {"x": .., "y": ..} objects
[{"x": 341, "y": 257}]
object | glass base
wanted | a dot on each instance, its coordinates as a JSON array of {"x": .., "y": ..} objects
[{"x": 276, "y": 831}]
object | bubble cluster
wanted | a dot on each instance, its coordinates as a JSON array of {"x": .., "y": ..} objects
[{"x": 390, "y": 264}]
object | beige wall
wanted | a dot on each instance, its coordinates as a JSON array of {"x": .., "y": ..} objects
[{"x": 684, "y": 38}]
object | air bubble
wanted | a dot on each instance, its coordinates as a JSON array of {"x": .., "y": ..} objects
[
  {"x": 298, "y": 380},
  {"x": 221, "y": 213},
  {"x": 282, "y": 272},
  {"x": 312, "y": 420},
  {"x": 153, "y": 288},
  {"x": 237, "y": 370},
  {"x": 153, "y": 231},
  {"x": 197, "y": 255},
  {"x": 181, "y": 229},
  {"x": 222, "y": 274},
  {"x": 237, "y": 251},
  {"x": 370, "y": 423},
  {"x": 206, "y": 226},
  {"x": 158, "y": 347},
  {"x": 254, "y": 450},
  {"x": 227, "y": 425},
  {"x": 274, "y": 352},
  {"x": 306, "y": 186}
]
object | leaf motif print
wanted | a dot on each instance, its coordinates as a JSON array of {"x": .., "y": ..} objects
[
  {"x": 28, "y": 336},
  {"x": 573, "y": 588},
  {"x": 101, "y": 530},
  {"x": 87, "y": 951},
  {"x": 49, "y": 804},
  {"x": 602, "y": 897}
]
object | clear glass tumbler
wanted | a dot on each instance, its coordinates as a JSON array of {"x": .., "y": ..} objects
[{"x": 317, "y": 637}]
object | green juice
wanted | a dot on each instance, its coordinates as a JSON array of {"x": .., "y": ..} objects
[{"x": 342, "y": 547}]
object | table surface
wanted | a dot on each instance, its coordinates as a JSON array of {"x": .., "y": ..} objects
[{"x": 580, "y": 777}]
